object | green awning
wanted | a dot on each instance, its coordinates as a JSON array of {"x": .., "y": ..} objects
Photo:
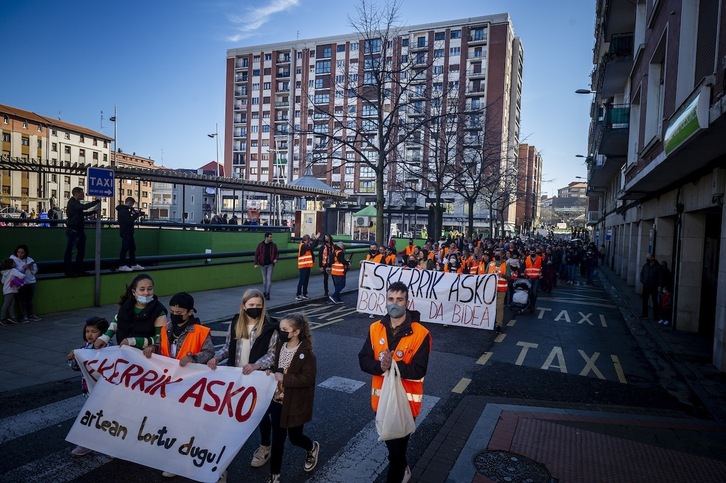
[{"x": 369, "y": 210}]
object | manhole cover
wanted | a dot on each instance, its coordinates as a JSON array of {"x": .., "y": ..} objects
[{"x": 511, "y": 467}]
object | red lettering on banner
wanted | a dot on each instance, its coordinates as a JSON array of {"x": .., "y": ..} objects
[
  {"x": 436, "y": 310},
  {"x": 470, "y": 315},
  {"x": 371, "y": 302},
  {"x": 236, "y": 407}
]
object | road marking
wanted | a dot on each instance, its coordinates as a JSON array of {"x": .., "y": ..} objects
[
  {"x": 363, "y": 458},
  {"x": 523, "y": 353},
  {"x": 618, "y": 369},
  {"x": 218, "y": 333},
  {"x": 590, "y": 364},
  {"x": 342, "y": 384},
  {"x": 484, "y": 358},
  {"x": 39, "y": 418},
  {"x": 602, "y": 321},
  {"x": 461, "y": 385},
  {"x": 511, "y": 323},
  {"x": 555, "y": 352},
  {"x": 500, "y": 338},
  {"x": 57, "y": 467}
]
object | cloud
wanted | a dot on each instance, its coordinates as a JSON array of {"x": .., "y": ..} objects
[{"x": 255, "y": 17}]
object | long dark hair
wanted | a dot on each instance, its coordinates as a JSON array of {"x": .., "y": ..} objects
[
  {"x": 301, "y": 322},
  {"x": 129, "y": 293},
  {"x": 23, "y": 247}
]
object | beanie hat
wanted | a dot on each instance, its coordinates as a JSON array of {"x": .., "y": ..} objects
[{"x": 183, "y": 300}]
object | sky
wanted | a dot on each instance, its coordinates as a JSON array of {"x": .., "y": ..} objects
[{"x": 162, "y": 63}]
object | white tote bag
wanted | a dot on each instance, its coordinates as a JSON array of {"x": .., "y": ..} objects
[{"x": 394, "y": 418}]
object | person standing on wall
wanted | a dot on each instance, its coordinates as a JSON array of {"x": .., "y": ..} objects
[
  {"x": 266, "y": 256},
  {"x": 76, "y": 212},
  {"x": 127, "y": 216}
]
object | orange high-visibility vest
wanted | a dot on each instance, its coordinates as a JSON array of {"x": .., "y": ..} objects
[
  {"x": 377, "y": 258},
  {"x": 391, "y": 260},
  {"x": 502, "y": 283},
  {"x": 533, "y": 270},
  {"x": 406, "y": 349},
  {"x": 304, "y": 261},
  {"x": 337, "y": 269},
  {"x": 193, "y": 341}
]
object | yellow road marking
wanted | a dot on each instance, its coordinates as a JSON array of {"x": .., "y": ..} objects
[{"x": 461, "y": 385}]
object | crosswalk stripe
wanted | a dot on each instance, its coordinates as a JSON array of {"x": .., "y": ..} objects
[
  {"x": 36, "y": 419},
  {"x": 364, "y": 457},
  {"x": 57, "y": 467}
]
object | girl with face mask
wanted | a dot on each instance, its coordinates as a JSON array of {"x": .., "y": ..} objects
[
  {"x": 250, "y": 344},
  {"x": 140, "y": 317}
]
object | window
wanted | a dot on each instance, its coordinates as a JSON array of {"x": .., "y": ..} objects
[
  {"x": 322, "y": 67},
  {"x": 354, "y": 46},
  {"x": 6, "y": 119},
  {"x": 40, "y": 128},
  {"x": 420, "y": 42},
  {"x": 341, "y": 48},
  {"x": 319, "y": 83},
  {"x": 266, "y": 128},
  {"x": 255, "y": 100},
  {"x": 455, "y": 51},
  {"x": 267, "y": 86},
  {"x": 438, "y": 52},
  {"x": 82, "y": 153},
  {"x": 322, "y": 98},
  {"x": 340, "y": 64},
  {"x": 421, "y": 58},
  {"x": 254, "y": 128},
  {"x": 372, "y": 46},
  {"x": 478, "y": 34},
  {"x": 255, "y": 86},
  {"x": 366, "y": 187},
  {"x": 438, "y": 69},
  {"x": 369, "y": 78},
  {"x": 67, "y": 149},
  {"x": 327, "y": 52},
  {"x": 6, "y": 138},
  {"x": 67, "y": 135},
  {"x": 404, "y": 42},
  {"x": 456, "y": 34},
  {"x": 404, "y": 59},
  {"x": 439, "y": 35},
  {"x": 268, "y": 56},
  {"x": 255, "y": 72},
  {"x": 256, "y": 58},
  {"x": 25, "y": 124}
]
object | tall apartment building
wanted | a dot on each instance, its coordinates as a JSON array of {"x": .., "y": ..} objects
[
  {"x": 294, "y": 103},
  {"x": 37, "y": 139},
  {"x": 657, "y": 165},
  {"x": 529, "y": 187}
]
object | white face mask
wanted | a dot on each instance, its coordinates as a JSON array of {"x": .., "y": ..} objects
[{"x": 144, "y": 300}]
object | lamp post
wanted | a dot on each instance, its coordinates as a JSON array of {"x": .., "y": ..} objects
[{"x": 216, "y": 161}]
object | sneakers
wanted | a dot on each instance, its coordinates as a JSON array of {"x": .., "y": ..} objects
[
  {"x": 34, "y": 318},
  {"x": 406, "y": 475},
  {"x": 273, "y": 479},
  {"x": 663, "y": 322},
  {"x": 261, "y": 456},
  {"x": 11, "y": 320},
  {"x": 2, "y": 323},
  {"x": 299, "y": 297},
  {"x": 330, "y": 297},
  {"x": 498, "y": 329},
  {"x": 25, "y": 320},
  {"x": 311, "y": 460},
  {"x": 80, "y": 451},
  {"x": 137, "y": 267},
  {"x": 305, "y": 297},
  {"x": 125, "y": 268},
  {"x": 166, "y": 474}
]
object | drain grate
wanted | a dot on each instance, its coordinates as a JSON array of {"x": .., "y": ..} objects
[{"x": 511, "y": 467}]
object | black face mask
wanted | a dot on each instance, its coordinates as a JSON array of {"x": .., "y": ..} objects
[
  {"x": 177, "y": 319},
  {"x": 374, "y": 252},
  {"x": 253, "y": 313},
  {"x": 283, "y": 336},
  {"x": 497, "y": 257},
  {"x": 412, "y": 264}
]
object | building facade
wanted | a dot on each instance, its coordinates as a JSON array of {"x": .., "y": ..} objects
[
  {"x": 294, "y": 104},
  {"x": 138, "y": 189},
  {"x": 657, "y": 158},
  {"x": 37, "y": 139},
  {"x": 529, "y": 188}
]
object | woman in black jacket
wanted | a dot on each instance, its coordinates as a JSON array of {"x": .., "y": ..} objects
[{"x": 250, "y": 344}]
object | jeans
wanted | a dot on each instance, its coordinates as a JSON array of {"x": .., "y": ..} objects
[
  {"x": 535, "y": 289},
  {"x": 339, "y": 284},
  {"x": 128, "y": 245},
  {"x": 8, "y": 310},
  {"x": 325, "y": 281},
  {"x": 280, "y": 434},
  {"x": 652, "y": 294},
  {"x": 570, "y": 273},
  {"x": 396, "y": 459},
  {"x": 302, "y": 284},
  {"x": 25, "y": 299},
  {"x": 74, "y": 238},
  {"x": 267, "y": 278}
]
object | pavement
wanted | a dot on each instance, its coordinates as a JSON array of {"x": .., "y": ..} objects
[{"x": 488, "y": 439}]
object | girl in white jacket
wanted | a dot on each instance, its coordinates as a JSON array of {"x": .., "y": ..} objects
[
  {"x": 12, "y": 279},
  {"x": 27, "y": 265}
]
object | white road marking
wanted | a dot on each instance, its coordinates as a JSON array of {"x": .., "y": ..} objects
[
  {"x": 57, "y": 467},
  {"x": 484, "y": 358},
  {"x": 39, "y": 418},
  {"x": 461, "y": 385},
  {"x": 342, "y": 384},
  {"x": 364, "y": 457}
]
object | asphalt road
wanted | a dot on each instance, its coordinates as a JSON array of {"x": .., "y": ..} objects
[{"x": 574, "y": 348}]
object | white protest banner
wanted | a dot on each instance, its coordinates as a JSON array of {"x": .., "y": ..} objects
[
  {"x": 442, "y": 298},
  {"x": 190, "y": 421}
]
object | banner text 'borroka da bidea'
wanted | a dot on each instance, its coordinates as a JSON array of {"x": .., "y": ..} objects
[
  {"x": 190, "y": 421},
  {"x": 443, "y": 298}
]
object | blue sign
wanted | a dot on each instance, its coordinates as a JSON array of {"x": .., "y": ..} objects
[{"x": 100, "y": 182}]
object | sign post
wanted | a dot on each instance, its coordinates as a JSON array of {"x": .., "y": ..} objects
[{"x": 100, "y": 185}]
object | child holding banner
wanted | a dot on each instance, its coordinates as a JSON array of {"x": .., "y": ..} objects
[
  {"x": 292, "y": 404},
  {"x": 250, "y": 344},
  {"x": 184, "y": 337},
  {"x": 95, "y": 326},
  {"x": 140, "y": 317}
]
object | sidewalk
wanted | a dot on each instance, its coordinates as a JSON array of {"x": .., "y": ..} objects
[
  {"x": 487, "y": 440},
  {"x": 35, "y": 353}
]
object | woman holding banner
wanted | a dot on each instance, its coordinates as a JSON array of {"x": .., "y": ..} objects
[{"x": 250, "y": 344}]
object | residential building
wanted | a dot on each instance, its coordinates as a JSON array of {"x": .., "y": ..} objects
[
  {"x": 293, "y": 104},
  {"x": 139, "y": 189},
  {"x": 657, "y": 164},
  {"x": 529, "y": 188},
  {"x": 36, "y": 139},
  {"x": 576, "y": 189}
]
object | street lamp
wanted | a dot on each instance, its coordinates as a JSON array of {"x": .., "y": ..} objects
[
  {"x": 216, "y": 161},
  {"x": 585, "y": 91}
]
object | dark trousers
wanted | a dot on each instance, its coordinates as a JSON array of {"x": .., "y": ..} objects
[
  {"x": 325, "y": 281},
  {"x": 302, "y": 284},
  {"x": 652, "y": 294},
  {"x": 25, "y": 299},
  {"x": 128, "y": 245},
  {"x": 74, "y": 238},
  {"x": 280, "y": 434},
  {"x": 339, "y": 284},
  {"x": 266, "y": 429},
  {"x": 396, "y": 459}
]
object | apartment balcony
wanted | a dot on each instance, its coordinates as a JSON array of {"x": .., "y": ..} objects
[
  {"x": 472, "y": 74},
  {"x": 593, "y": 217},
  {"x": 283, "y": 74},
  {"x": 279, "y": 104},
  {"x": 475, "y": 90},
  {"x": 417, "y": 94},
  {"x": 238, "y": 106},
  {"x": 602, "y": 170},
  {"x": 612, "y": 73},
  {"x": 240, "y": 92},
  {"x": 477, "y": 39},
  {"x": 611, "y": 132},
  {"x": 418, "y": 46},
  {"x": 283, "y": 59},
  {"x": 282, "y": 119},
  {"x": 472, "y": 141}
]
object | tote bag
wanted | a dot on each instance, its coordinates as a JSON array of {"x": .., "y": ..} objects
[{"x": 394, "y": 418}]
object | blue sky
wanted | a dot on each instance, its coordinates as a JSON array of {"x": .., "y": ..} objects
[{"x": 163, "y": 63}]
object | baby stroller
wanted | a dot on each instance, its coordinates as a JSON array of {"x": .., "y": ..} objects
[{"x": 521, "y": 296}]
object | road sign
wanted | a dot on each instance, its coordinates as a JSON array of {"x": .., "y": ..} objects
[{"x": 100, "y": 182}]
